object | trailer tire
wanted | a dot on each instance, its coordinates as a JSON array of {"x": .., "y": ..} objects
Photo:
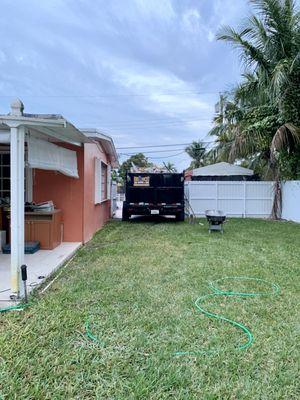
[
  {"x": 125, "y": 215},
  {"x": 180, "y": 216}
]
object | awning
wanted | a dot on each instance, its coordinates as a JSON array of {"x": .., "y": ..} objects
[{"x": 49, "y": 156}]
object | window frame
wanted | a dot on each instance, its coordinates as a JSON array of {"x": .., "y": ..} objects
[{"x": 98, "y": 181}]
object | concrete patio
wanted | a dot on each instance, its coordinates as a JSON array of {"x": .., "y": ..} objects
[{"x": 40, "y": 266}]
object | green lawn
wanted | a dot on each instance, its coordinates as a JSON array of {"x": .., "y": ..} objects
[{"x": 137, "y": 282}]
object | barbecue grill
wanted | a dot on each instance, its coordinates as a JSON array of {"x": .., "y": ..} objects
[{"x": 216, "y": 220}]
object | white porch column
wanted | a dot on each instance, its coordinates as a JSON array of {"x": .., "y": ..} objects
[{"x": 17, "y": 138}]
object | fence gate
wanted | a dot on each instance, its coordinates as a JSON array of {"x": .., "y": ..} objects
[{"x": 235, "y": 199}]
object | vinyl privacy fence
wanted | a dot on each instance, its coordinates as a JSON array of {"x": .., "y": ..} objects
[
  {"x": 291, "y": 201},
  {"x": 113, "y": 197},
  {"x": 235, "y": 199}
]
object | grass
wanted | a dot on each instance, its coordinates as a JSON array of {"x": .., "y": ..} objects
[{"x": 137, "y": 283}]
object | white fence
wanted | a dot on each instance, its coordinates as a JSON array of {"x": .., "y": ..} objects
[
  {"x": 121, "y": 197},
  {"x": 113, "y": 198},
  {"x": 291, "y": 201},
  {"x": 235, "y": 199}
]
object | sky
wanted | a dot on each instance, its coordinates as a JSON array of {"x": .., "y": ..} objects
[{"x": 146, "y": 72}]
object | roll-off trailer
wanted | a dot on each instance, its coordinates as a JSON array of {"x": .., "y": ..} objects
[{"x": 154, "y": 194}]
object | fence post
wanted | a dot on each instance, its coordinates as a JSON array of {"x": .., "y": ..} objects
[
  {"x": 245, "y": 201},
  {"x": 217, "y": 195}
]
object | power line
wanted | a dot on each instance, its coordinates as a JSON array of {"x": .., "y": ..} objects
[
  {"x": 182, "y": 93},
  {"x": 150, "y": 146},
  {"x": 153, "y": 123},
  {"x": 159, "y": 119},
  {"x": 152, "y": 151},
  {"x": 162, "y": 158},
  {"x": 159, "y": 145}
]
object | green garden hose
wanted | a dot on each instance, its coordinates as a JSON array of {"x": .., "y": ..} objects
[
  {"x": 90, "y": 335},
  {"x": 14, "y": 308},
  {"x": 218, "y": 292}
]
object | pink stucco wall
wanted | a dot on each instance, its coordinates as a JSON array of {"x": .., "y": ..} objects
[
  {"x": 94, "y": 216},
  {"x": 75, "y": 197}
]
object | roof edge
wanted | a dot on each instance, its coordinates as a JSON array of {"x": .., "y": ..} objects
[{"x": 96, "y": 134}]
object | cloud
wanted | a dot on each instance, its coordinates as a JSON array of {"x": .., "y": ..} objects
[
  {"x": 160, "y": 92},
  {"x": 111, "y": 63},
  {"x": 156, "y": 9},
  {"x": 191, "y": 21}
]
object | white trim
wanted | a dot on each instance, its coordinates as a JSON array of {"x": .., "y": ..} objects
[
  {"x": 98, "y": 181},
  {"x": 98, "y": 178},
  {"x": 17, "y": 140},
  {"x": 108, "y": 182}
]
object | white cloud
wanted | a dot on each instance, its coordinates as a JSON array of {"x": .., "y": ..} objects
[
  {"x": 211, "y": 36},
  {"x": 161, "y": 93},
  {"x": 161, "y": 9},
  {"x": 3, "y": 57},
  {"x": 191, "y": 21}
]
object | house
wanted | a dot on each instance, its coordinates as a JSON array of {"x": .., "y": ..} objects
[
  {"x": 222, "y": 171},
  {"x": 46, "y": 159}
]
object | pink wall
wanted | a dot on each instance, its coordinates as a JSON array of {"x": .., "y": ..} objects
[
  {"x": 95, "y": 216},
  {"x": 75, "y": 197}
]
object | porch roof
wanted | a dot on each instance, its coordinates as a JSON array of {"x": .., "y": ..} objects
[{"x": 52, "y": 126}]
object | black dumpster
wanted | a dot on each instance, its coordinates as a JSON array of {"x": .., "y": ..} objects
[{"x": 154, "y": 194}]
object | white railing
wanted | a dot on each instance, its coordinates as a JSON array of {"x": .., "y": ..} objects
[{"x": 234, "y": 198}]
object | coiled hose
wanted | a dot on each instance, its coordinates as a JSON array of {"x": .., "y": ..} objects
[{"x": 216, "y": 292}]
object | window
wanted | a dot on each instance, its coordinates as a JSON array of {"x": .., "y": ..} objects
[
  {"x": 102, "y": 181},
  {"x": 4, "y": 175}
]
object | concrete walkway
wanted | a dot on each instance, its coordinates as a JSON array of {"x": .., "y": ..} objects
[{"x": 40, "y": 266}]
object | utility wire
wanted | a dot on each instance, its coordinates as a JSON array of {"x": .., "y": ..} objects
[
  {"x": 162, "y": 158},
  {"x": 160, "y": 145},
  {"x": 182, "y": 93},
  {"x": 152, "y": 146},
  {"x": 153, "y": 151},
  {"x": 153, "y": 123},
  {"x": 158, "y": 119}
]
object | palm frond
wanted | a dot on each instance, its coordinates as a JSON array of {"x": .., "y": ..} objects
[
  {"x": 251, "y": 54},
  {"x": 257, "y": 32},
  {"x": 286, "y": 136},
  {"x": 280, "y": 76}
]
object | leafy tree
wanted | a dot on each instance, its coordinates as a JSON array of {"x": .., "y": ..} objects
[
  {"x": 259, "y": 120},
  {"x": 197, "y": 151},
  {"x": 170, "y": 167},
  {"x": 139, "y": 160}
]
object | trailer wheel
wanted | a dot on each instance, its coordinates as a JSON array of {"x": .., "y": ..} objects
[
  {"x": 125, "y": 215},
  {"x": 180, "y": 216}
]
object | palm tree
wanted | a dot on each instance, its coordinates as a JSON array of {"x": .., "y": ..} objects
[
  {"x": 170, "y": 167},
  {"x": 197, "y": 151},
  {"x": 259, "y": 121}
]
